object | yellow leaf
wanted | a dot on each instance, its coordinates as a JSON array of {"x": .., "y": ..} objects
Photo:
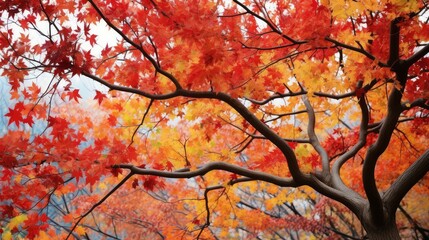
[
  {"x": 270, "y": 203},
  {"x": 80, "y": 230},
  {"x": 43, "y": 236},
  {"x": 102, "y": 186},
  {"x": 301, "y": 151},
  {"x": 18, "y": 178},
  {"x": 7, "y": 235},
  {"x": 14, "y": 222}
]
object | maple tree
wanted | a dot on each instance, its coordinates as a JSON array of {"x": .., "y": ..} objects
[{"x": 173, "y": 118}]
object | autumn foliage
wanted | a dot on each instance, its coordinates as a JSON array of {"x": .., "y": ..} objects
[{"x": 210, "y": 119}]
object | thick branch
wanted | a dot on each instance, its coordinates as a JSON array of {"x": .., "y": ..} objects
[
  {"x": 130, "y": 90},
  {"x": 421, "y": 102},
  {"x": 355, "y": 204},
  {"x": 417, "y": 56},
  {"x": 336, "y": 177},
  {"x": 406, "y": 181},
  {"x": 389, "y": 123},
  {"x": 394, "y": 42},
  {"x": 375, "y": 151},
  {"x": 256, "y": 175},
  {"x": 258, "y": 125}
]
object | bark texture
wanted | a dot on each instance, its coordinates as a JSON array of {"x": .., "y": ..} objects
[{"x": 388, "y": 231}]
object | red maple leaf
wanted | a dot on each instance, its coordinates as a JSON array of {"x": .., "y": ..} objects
[
  {"x": 149, "y": 183},
  {"x": 15, "y": 115},
  {"x": 112, "y": 120},
  {"x": 158, "y": 166},
  {"x": 233, "y": 176},
  {"x": 106, "y": 50},
  {"x": 135, "y": 183},
  {"x": 6, "y": 174},
  {"x": 7, "y": 211},
  {"x": 92, "y": 178},
  {"x": 99, "y": 96},
  {"x": 116, "y": 171},
  {"x": 92, "y": 38},
  {"x": 86, "y": 28},
  {"x": 59, "y": 126},
  {"x": 74, "y": 95},
  {"x": 34, "y": 89},
  {"x": 34, "y": 224},
  {"x": 292, "y": 144},
  {"x": 77, "y": 174},
  {"x": 273, "y": 157},
  {"x": 169, "y": 166},
  {"x": 196, "y": 221},
  {"x": 28, "y": 120}
]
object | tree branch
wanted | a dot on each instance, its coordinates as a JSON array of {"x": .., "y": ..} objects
[
  {"x": 99, "y": 203},
  {"x": 255, "y": 175},
  {"x": 128, "y": 89},
  {"x": 137, "y": 46},
  {"x": 314, "y": 141},
  {"x": 394, "y": 43},
  {"x": 269, "y": 23},
  {"x": 418, "y": 55},
  {"x": 265, "y": 130},
  {"x": 421, "y": 102},
  {"x": 336, "y": 177},
  {"x": 394, "y": 109},
  {"x": 356, "y": 49},
  {"x": 141, "y": 122},
  {"x": 406, "y": 181}
]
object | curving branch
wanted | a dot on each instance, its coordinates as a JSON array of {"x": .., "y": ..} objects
[
  {"x": 314, "y": 141},
  {"x": 336, "y": 167},
  {"x": 375, "y": 151},
  {"x": 187, "y": 173},
  {"x": 406, "y": 181},
  {"x": 354, "y": 204},
  {"x": 129, "y": 89},
  {"x": 260, "y": 126}
]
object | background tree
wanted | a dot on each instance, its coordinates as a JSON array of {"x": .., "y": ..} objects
[{"x": 218, "y": 110}]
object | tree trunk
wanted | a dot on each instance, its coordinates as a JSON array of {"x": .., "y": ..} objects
[{"x": 389, "y": 231}]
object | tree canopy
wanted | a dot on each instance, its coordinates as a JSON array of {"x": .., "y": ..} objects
[{"x": 125, "y": 119}]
